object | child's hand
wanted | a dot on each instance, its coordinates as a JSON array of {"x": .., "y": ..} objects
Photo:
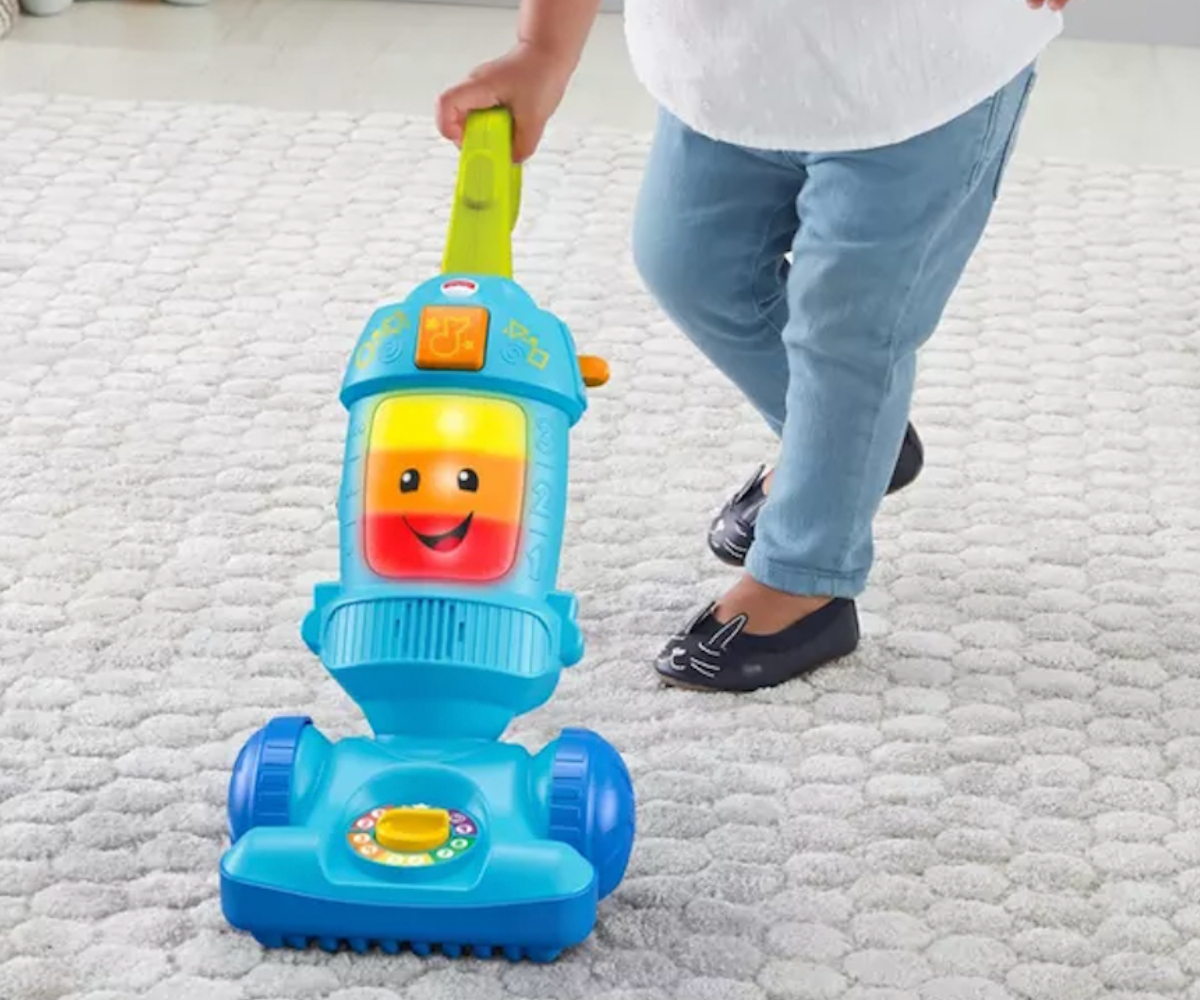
[
  {"x": 529, "y": 81},
  {"x": 1052, "y": 4}
]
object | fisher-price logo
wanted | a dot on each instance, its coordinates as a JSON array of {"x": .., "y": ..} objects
[{"x": 459, "y": 288}]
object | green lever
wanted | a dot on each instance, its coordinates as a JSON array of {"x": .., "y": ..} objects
[{"x": 487, "y": 198}]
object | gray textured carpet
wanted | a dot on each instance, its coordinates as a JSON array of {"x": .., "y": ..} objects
[{"x": 998, "y": 797}]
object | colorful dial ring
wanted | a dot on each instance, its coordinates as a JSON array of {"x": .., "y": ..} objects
[{"x": 464, "y": 832}]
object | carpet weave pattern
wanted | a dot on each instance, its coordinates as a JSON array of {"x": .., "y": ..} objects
[{"x": 998, "y": 797}]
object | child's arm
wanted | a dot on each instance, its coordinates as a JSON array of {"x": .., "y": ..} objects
[{"x": 531, "y": 79}]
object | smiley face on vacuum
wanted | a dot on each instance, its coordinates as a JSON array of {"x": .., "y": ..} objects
[
  {"x": 445, "y": 485},
  {"x": 451, "y": 538}
]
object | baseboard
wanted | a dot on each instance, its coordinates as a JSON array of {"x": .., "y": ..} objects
[
  {"x": 612, "y": 6},
  {"x": 1144, "y": 22}
]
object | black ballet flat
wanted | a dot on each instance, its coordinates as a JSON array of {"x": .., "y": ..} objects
[
  {"x": 732, "y": 530},
  {"x": 710, "y": 656}
]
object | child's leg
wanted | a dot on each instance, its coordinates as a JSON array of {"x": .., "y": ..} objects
[
  {"x": 886, "y": 237},
  {"x": 713, "y": 224},
  {"x": 883, "y": 240}
]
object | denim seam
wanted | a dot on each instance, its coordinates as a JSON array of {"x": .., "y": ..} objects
[
  {"x": 902, "y": 313},
  {"x": 842, "y": 575},
  {"x": 759, "y": 302},
  {"x": 817, "y": 583},
  {"x": 985, "y": 140},
  {"x": 1007, "y": 149}
]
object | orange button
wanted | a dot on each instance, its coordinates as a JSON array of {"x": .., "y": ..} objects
[
  {"x": 452, "y": 338},
  {"x": 593, "y": 369}
]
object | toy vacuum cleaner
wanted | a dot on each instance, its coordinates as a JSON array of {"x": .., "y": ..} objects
[{"x": 445, "y": 625}]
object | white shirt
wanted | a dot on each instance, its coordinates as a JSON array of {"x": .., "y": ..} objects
[{"x": 824, "y": 75}]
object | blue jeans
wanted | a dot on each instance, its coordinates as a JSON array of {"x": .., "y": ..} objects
[{"x": 823, "y": 346}]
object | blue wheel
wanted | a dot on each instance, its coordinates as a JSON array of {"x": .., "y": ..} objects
[
  {"x": 260, "y": 790},
  {"x": 592, "y": 804}
]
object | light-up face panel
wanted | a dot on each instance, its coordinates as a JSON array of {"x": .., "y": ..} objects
[{"x": 445, "y": 484}]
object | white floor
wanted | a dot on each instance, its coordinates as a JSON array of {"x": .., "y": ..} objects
[
  {"x": 997, "y": 798},
  {"x": 1097, "y": 102}
]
